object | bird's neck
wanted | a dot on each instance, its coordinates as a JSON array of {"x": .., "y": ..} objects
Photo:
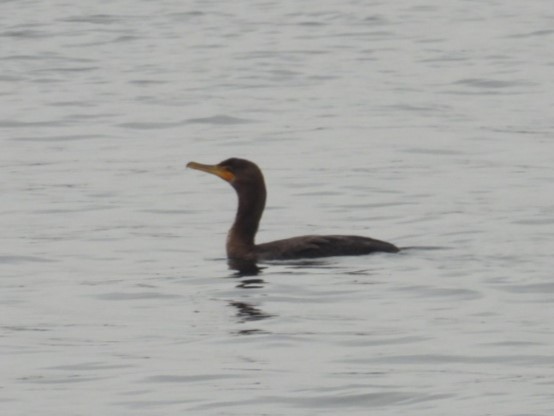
[{"x": 241, "y": 237}]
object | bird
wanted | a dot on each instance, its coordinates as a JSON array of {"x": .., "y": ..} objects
[{"x": 248, "y": 181}]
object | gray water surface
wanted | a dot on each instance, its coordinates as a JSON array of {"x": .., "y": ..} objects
[{"x": 427, "y": 124}]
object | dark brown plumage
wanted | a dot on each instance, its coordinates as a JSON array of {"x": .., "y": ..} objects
[{"x": 248, "y": 181}]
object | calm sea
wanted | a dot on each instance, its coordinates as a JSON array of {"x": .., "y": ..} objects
[{"x": 425, "y": 123}]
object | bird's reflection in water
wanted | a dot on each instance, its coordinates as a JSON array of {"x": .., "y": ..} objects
[
  {"x": 247, "y": 312},
  {"x": 251, "y": 284},
  {"x": 250, "y": 332},
  {"x": 247, "y": 269},
  {"x": 244, "y": 267}
]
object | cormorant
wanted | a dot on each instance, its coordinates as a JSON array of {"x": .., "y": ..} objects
[{"x": 248, "y": 181}]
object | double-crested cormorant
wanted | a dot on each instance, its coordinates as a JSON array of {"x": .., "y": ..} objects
[{"x": 248, "y": 181}]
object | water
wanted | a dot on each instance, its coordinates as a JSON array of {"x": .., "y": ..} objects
[{"x": 427, "y": 124}]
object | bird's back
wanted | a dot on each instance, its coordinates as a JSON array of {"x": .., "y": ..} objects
[{"x": 313, "y": 246}]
